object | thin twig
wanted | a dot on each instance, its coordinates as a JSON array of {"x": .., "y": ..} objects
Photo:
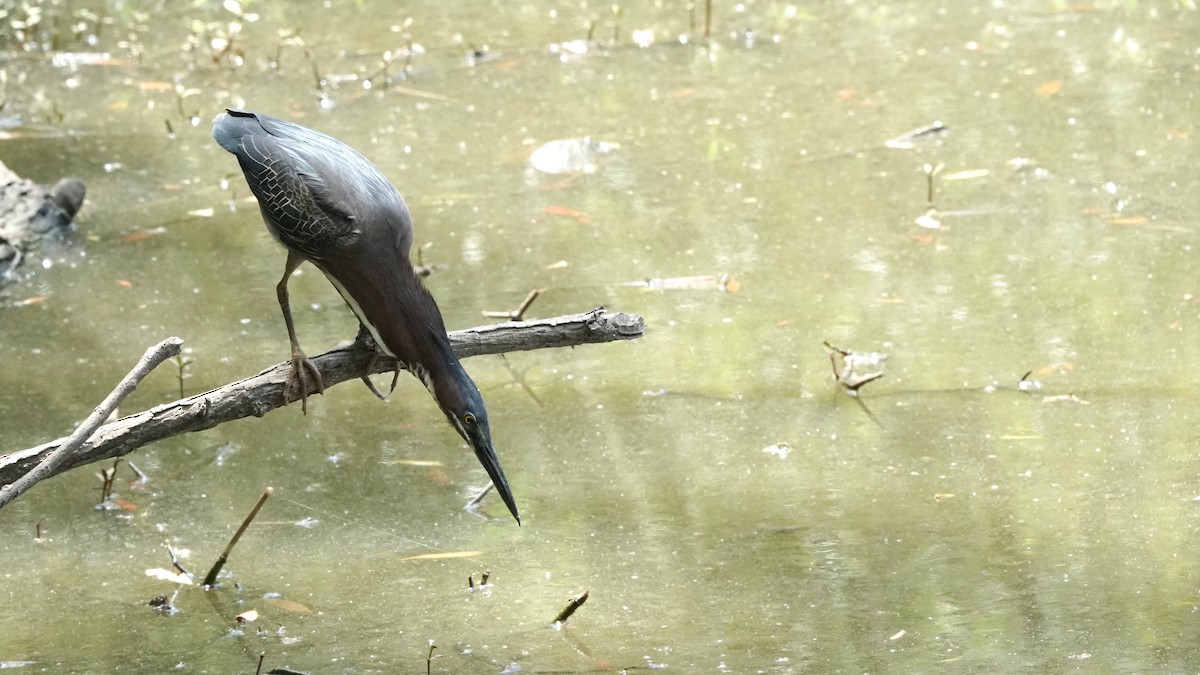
[
  {"x": 175, "y": 562},
  {"x": 573, "y": 603},
  {"x": 149, "y": 361},
  {"x": 211, "y": 577},
  {"x": 518, "y": 313},
  {"x": 477, "y": 499}
]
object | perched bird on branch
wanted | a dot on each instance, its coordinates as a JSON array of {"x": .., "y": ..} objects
[{"x": 330, "y": 206}]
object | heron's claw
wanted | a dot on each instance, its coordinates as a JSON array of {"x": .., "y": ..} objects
[
  {"x": 364, "y": 338},
  {"x": 302, "y": 368},
  {"x": 371, "y": 385}
]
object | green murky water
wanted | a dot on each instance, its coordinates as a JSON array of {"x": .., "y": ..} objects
[{"x": 727, "y": 507}]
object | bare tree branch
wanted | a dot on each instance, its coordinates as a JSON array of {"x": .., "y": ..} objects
[
  {"x": 262, "y": 393},
  {"x": 50, "y": 461}
]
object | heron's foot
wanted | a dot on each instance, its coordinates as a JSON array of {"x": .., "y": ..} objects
[
  {"x": 303, "y": 372},
  {"x": 371, "y": 385},
  {"x": 364, "y": 338}
]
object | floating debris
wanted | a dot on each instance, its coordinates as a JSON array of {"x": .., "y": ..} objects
[
  {"x": 574, "y": 51},
  {"x": 967, "y": 174},
  {"x": 570, "y": 155},
  {"x": 722, "y": 282},
  {"x": 76, "y": 59},
  {"x": 906, "y": 141},
  {"x": 1028, "y": 167},
  {"x": 444, "y": 556},
  {"x": 852, "y": 376},
  {"x": 929, "y": 220},
  {"x": 643, "y": 38},
  {"x": 780, "y": 450},
  {"x": 169, "y": 576},
  {"x": 1065, "y": 398}
]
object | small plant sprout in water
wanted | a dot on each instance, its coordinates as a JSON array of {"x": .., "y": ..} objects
[
  {"x": 429, "y": 658},
  {"x": 484, "y": 586},
  {"x": 858, "y": 368},
  {"x": 108, "y": 477},
  {"x": 181, "y": 365},
  {"x": 930, "y": 220}
]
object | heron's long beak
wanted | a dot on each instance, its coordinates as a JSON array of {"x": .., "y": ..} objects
[{"x": 487, "y": 457}]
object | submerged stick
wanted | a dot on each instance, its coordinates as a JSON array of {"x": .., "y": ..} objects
[
  {"x": 211, "y": 578},
  {"x": 573, "y": 603}
]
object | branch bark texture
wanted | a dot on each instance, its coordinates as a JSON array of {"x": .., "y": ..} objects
[{"x": 260, "y": 394}]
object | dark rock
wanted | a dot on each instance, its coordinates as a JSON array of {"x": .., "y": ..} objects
[{"x": 32, "y": 215}]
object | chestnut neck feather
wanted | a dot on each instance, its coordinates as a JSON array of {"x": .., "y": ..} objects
[{"x": 390, "y": 300}]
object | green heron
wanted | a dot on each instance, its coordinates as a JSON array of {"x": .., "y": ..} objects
[{"x": 329, "y": 205}]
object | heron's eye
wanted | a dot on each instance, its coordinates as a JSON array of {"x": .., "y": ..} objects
[{"x": 469, "y": 419}]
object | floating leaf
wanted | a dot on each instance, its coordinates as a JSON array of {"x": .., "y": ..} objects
[
  {"x": 124, "y": 283},
  {"x": 289, "y": 605},
  {"x": 1048, "y": 89},
  {"x": 247, "y": 616},
  {"x": 566, "y": 213}
]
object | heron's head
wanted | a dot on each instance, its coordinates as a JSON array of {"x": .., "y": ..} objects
[{"x": 463, "y": 405}]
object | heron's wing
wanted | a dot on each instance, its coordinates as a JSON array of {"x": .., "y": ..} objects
[
  {"x": 313, "y": 184},
  {"x": 319, "y": 162}
]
